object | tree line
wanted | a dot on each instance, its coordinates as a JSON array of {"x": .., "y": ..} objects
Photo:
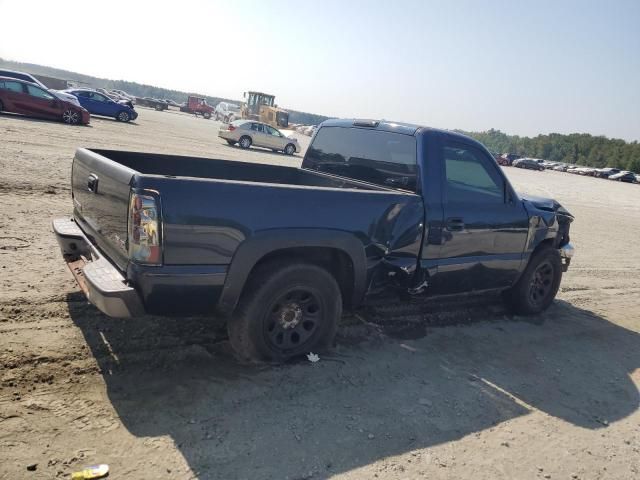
[{"x": 575, "y": 148}]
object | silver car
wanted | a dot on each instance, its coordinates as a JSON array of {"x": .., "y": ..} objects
[{"x": 248, "y": 132}]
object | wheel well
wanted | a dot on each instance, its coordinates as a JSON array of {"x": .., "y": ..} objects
[
  {"x": 337, "y": 262},
  {"x": 547, "y": 243}
]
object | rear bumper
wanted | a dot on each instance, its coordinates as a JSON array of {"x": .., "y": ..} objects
[
  {"x": 174, "y": 290},
  {"x": 101, "y": 281},
  {"x": 227, "y": 135}
]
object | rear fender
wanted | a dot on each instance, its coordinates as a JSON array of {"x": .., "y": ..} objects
[{"x": 252, "y": 250}]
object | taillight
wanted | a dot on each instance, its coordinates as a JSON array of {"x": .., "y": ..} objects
[
  {"x": 231, "y": 128},
  {"x": 144, "y": 229}
]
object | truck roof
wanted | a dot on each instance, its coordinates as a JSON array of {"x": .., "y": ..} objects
[{"x": 388, "y": 126}]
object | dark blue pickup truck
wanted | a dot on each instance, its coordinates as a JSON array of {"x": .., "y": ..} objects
[{"x": 280, "y": 251}]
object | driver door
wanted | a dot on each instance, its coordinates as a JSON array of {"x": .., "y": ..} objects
[
  {"x": 485, "y": 227},
  {"x": 99, "y": 104},
  {"x": 42, "y": 103}
]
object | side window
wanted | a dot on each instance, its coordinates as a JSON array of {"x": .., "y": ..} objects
[
  {"x": 99, "y": 98},
  {"x": 39, "y": 93},
  {"x": 470, "y": 176},
  {"x": 83, "y": 94},
  {"x": 257, "y": 127},
  {"x": 13, "y": 86},
  {"x": 272, "y": 131}
]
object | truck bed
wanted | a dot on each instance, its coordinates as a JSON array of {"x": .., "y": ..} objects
[
  {"x": 198, "y": 167},
  {"x": 210, "y": 208}
]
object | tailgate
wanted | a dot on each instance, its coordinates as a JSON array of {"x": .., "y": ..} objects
[{"x": 100, "y": 189}]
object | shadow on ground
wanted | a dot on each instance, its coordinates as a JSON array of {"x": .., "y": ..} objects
[
  {"x": 26, "y": 118},
  {"x": 369, "y": 400}
]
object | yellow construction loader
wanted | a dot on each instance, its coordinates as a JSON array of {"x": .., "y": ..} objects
[{"x": 261, "y": 107}]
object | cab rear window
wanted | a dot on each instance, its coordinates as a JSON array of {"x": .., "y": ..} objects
[{"x": 383, "y": 158}]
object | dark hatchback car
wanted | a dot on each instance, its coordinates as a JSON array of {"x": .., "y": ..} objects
[
  {"x": 528, "y": 163},
  {"x": 26, "y": 98},
  {"x": 628, "y": 177}
]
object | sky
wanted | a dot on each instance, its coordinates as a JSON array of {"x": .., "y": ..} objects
[{"x": 522, "y": 67}]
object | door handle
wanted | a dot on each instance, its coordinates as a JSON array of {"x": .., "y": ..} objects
[
  {"x": 92, "y": 183},
  {"x": 455, "y": 224}
]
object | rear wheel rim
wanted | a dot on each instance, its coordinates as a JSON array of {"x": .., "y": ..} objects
[
  {"x": 245, "y": 142},
  {"x": 292, "y": 321},
  {"x": 541, "y": 284}
]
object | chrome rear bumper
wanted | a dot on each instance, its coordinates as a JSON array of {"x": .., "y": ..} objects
[{"x": 101, "y": 282}]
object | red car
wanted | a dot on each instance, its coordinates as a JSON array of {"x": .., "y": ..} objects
[{"x": 18, "y": 96}]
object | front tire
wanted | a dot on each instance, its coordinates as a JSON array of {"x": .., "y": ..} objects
[
  {"x": 538, "y": 285},
  {"x": 290, "y": 149},
  {"x": 123, "y": 116},
  {"x": 245, "y": 142},
  {"x": 285, "y": 311},
  {"x": 70, "y": 116}
]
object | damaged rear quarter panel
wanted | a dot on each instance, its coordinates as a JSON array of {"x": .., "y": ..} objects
[{"x": 397, "y": 234}]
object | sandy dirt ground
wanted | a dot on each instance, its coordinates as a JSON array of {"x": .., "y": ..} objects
[{"x": 489, "y": 396}]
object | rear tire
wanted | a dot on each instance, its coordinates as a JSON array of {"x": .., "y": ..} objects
[
  {"x": 123, "y": 116},
  {"x": 285, "y": 311},
  {"x": 538, "y": 285},
  {"x": 71, "y": 117},
  {"x": 207, "y": 115},
  {"x": 245, "y": 142}
]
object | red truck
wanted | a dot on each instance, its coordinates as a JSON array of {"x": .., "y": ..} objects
[{"x": 197, "y": 105}]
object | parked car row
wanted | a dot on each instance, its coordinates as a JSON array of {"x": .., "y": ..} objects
[
  {"x": 22, "y": 93},
  {"x": 510, "y": 159},
  {"x": 27, "y": 98},
  {"x": 607, "y": 173}
]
